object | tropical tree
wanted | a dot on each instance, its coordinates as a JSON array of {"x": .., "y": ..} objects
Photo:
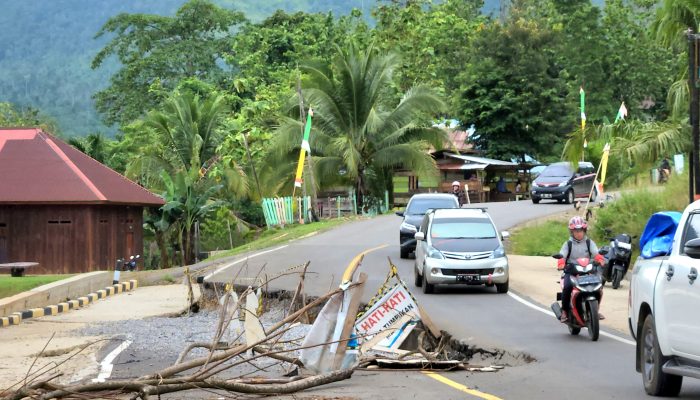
[
  {"x": 12, "y": 115},
  {"x": 156, "y": 52},
  {"x": 360, "y": 133},
  {"x": 96, "y": 145},
  {"x": 185, "y": 163},
  {"x": 432, "y": 39},
  {"x": 512, "y": 90},
  {"x": 637, "y": 141}
]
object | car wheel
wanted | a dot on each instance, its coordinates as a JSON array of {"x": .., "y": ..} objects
[
  {"x": 535, "y": 200},
  {"x": 656, "y": 382},
  {"x": 417, "y": 279},
  {"x": 502, "y": 287},
  {"x": 570, "y": 197},
  {"x": 427, "y": 287},
  {"x": 404, "y": 252}
]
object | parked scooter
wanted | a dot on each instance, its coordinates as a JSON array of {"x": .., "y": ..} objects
[
  {"x": 617, "y": 259},
  {"x": 585, "y": 297}
]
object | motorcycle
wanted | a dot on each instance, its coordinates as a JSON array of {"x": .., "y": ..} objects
[
  {"x": 585, "y": 297},
  {"x": 617, "y": 259},
  {"x": 131, "y": 264}
]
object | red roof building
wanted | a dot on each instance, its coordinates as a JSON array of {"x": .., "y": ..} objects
[{"x": 63, "y": 209}]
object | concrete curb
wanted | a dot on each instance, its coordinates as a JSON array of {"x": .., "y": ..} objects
[{"x": 17, "y": 317}]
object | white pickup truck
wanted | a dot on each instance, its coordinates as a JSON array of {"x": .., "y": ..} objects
[{"x": 664, "y": 310}]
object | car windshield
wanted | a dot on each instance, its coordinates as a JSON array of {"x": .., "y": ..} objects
[
  {"x": 556, "y": 171},
  {"x": 420, "y": 206},
  {"x": 462, "y": 228}
]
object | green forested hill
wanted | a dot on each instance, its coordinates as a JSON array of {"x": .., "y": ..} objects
[{"x": 48, "y": 45}]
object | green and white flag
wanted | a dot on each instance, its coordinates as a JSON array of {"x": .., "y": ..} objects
[
  {"x": 621, "y": 113},
  {"x": 583, "y": 108}
]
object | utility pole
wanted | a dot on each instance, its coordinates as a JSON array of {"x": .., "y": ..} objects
[
  {"x": 302, "y": 116},
  {"x": 693, "y": 165}
]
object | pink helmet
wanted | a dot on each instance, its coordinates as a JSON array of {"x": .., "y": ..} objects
[{"x": 577, "y": 223}]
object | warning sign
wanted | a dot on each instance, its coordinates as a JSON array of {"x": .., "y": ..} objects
[{"x": 392, "y": 306}]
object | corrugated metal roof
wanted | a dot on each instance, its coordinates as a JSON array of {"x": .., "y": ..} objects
[
  {"x": 36, "y": 167},
  {"x": 480, "y": 160},
  {"x": 461, "y": 167}
]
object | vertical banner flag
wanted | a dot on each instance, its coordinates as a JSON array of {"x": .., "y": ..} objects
[
  {"x": 621, "y": 113},
  {"x": 583, "y": 108},
  {"x": 305, "y": 148},
  {"x": 604, "y": 163}
]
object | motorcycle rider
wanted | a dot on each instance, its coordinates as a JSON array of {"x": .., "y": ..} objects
[{"x": 577, "y": 246}]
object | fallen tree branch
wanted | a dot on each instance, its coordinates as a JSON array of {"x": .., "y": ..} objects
[{"x": 153, "y": 387}]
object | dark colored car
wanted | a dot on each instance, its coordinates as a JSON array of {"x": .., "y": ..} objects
[
  {"x": 560, "y": 182},
  {"x": 415, "y": 210}
]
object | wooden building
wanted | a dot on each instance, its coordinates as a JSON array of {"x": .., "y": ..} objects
[{"x": 64, "y": 210}]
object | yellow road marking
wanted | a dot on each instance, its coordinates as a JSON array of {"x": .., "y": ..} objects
[
  {"x": 460, "y": 387},
  {"x": 350, "y": 270}
]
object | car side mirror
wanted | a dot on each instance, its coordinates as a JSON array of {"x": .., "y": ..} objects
[
  {"x": 399, "y": 213},
  {"x": 419, "y": 236},
  {"x": 692, "y": 248},
  {"x": 505, "y": 235}
]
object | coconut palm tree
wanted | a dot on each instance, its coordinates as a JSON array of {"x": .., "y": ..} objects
[{"x": 361, "y": 132}]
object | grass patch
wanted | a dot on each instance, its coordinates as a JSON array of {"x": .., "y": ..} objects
[
  {"x": 274, "y": 236},
  {"x": 542, "y": 239},
  {"x": 10, "y": 286},
  {"x": 629, "y": 214}
]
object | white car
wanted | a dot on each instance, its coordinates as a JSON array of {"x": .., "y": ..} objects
[
  {"x": 460, "y": 246},
  {"x": 664, "y": 307}
]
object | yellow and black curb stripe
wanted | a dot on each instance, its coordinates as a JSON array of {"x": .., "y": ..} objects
[{"x": 17, "y": 317}]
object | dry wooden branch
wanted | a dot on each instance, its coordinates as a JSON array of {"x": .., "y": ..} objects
[
  {"x": 155, "y": 387},
  {"x": 219, "y": 358},
  {"x": 172, "y": 370}
]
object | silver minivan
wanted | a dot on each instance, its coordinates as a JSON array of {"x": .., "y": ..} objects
[{"x": 460, "y": 246}]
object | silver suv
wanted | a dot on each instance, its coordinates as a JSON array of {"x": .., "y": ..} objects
[{"x": 460, "y": 246}]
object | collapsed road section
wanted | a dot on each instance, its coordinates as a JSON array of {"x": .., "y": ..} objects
[{"x": 246, "y": 340}]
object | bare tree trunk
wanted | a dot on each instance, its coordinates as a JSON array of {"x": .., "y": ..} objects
[{"x": 164, "y": 258}]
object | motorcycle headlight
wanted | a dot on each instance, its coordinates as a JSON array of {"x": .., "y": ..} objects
[
  {"x": 408, "y": 227},
  {"x": 435, "y": 253},
  {"x": 499, "y": 252}
]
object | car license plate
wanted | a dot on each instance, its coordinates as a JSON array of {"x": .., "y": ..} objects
[
  {"x": 589, "y": 280},
  {"x": 468, "y": 278},
  {"x": 546, "y": 196}
]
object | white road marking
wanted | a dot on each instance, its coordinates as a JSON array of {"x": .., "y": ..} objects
[
  {"x": 551, "y": 314},
  {"x": 243, "y": 259},
  {"x": 106, "y": 364}
]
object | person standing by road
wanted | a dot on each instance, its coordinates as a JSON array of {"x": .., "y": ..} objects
[
  {"x": 664, "y": 170},
  {"x": 457, "y": 191}
]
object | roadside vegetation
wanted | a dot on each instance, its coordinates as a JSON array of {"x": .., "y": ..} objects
[
  {"x": 275, "y": 236},
  {"x": 627, "y": 214},
  {"x": 10, "y": 286}
]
